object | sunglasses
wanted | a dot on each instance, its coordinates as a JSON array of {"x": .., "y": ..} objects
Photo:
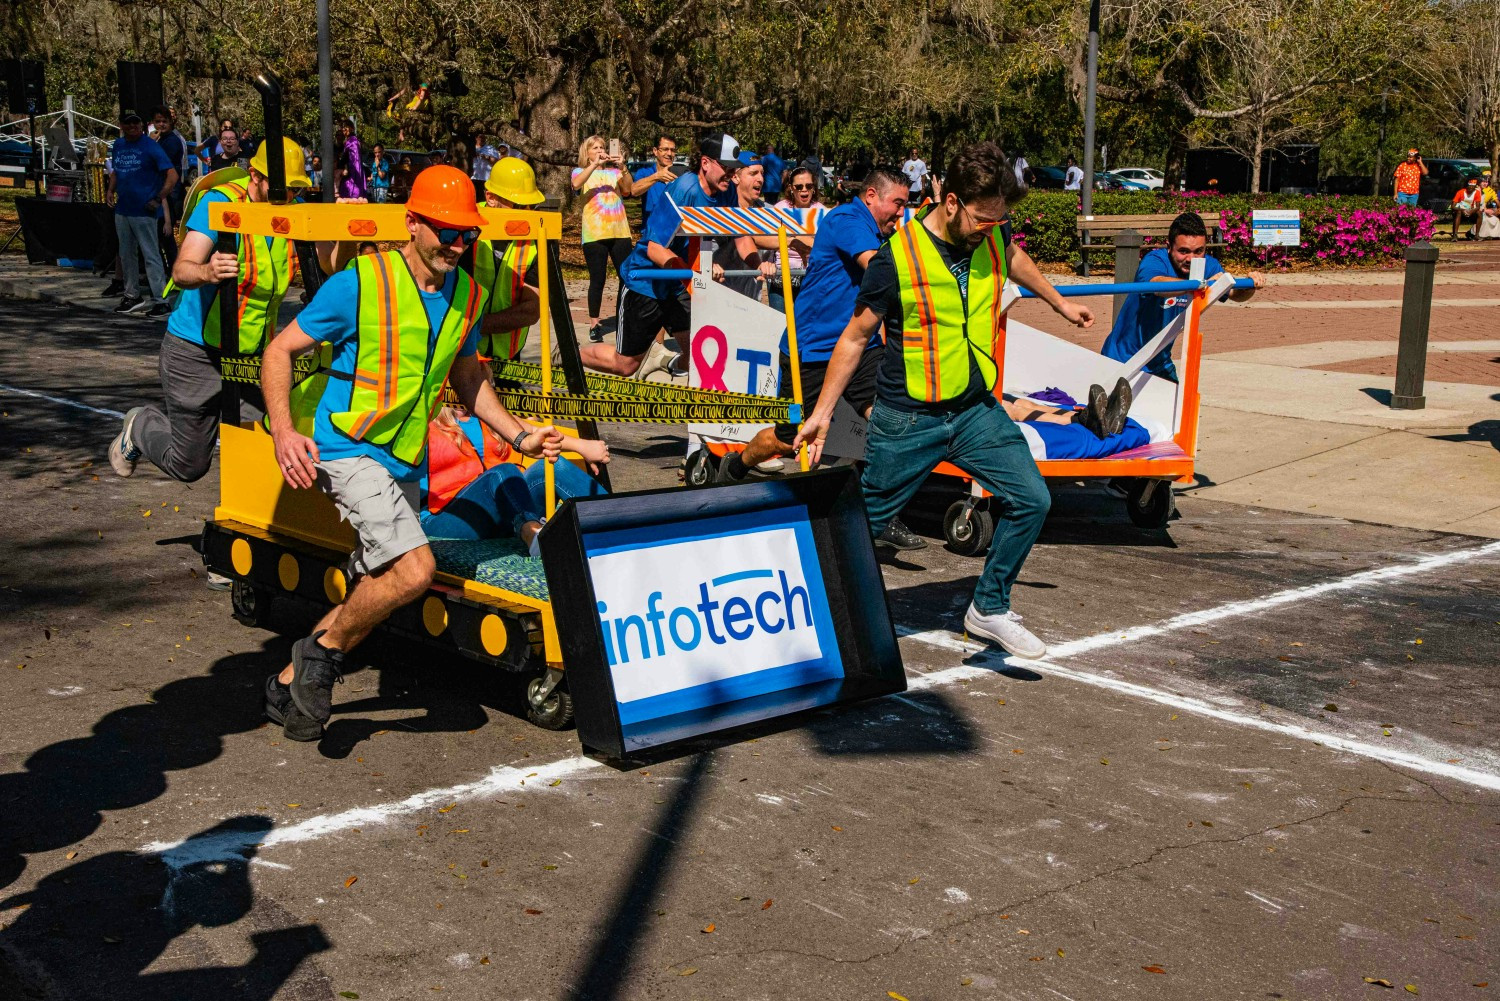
[
  {"x": 447, "y": 234},
  {"x": 803, "y": 187}
]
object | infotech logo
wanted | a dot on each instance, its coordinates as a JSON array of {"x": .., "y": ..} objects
[
  {"x": 709, "y": 619},
  {"x": 734, "y": 619}
]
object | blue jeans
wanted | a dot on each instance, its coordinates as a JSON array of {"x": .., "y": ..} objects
[
  {"x": 1406, "y": 197},
  {"x": 775, "y": 299},
  {"x": 505, "y": 497},
  {"x": 901, "y": 449}
]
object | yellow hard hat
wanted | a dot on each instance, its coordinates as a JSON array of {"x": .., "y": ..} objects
[
  {"x": 294, "y": 160},
  {"x": 514, "y": 180}
]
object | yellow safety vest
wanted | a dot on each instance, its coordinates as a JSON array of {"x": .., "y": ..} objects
[
  {"x": 264, "y": 276},
  {"x": 399, "y": 368},
  {"x": 503, "y": 279},
  {"x": 937, "y": 335}
]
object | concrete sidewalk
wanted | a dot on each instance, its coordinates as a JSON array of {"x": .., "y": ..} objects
[{"x": 1299, "y": 424}]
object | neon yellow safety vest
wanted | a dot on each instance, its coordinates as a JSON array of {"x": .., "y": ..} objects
[
  {"x": 937, "y": 336},
  {"x": 265, "y": 274},
  {"x": 399, "y": 368},
  {"x": 503, "y": 278}
]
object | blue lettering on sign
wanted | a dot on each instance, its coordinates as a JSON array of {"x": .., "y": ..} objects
[
  {"x": 755, "y": 359},
  {"x": 780, "y": 607}
]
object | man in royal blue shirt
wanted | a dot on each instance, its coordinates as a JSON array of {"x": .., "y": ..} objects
[
  {"x": 1143, "y": 315},
  {"x": 649, "y": 305},
  {"x": 142, "y": 178},
  {"x": 775, "y": 166},
  {"x": 652, "y": 180}
]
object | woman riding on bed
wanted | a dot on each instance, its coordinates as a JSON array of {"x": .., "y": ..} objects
[{"x": 474, "y": 488}]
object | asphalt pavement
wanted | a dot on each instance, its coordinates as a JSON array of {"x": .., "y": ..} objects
[{"x": 1260, "y": 761}]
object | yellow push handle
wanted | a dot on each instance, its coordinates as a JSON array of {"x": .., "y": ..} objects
[{"x": 381, "y": 223}]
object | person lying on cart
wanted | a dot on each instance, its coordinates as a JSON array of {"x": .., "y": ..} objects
[
  {"x": 400, "y": 324},
  {"x": 473, "y": 488},
  {"x": 507, "y": 268},
  {"x": 846, "y": 240},
  {"x": 1143, "y": 315},
  {"x": 937, "y": 286}
]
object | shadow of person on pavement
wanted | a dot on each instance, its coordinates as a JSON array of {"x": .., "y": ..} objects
[{"x": 91, "y": 929}]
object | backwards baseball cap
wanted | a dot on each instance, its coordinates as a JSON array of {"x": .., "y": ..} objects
[
  {"x": 721, "y": 147},
  {"x": 1411, "y": 152}
]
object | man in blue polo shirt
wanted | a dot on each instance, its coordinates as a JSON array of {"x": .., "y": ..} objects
[
  {"x": 652, "y": 180},
  {"x": 846, "y": 240},
  {"x": 648, "y": 305},
  {"x": 1143, "y": 315},
  {"x": 775, "y": 167}
]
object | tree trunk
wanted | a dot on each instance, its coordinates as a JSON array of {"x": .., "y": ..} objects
[
  {"x": 1257, "y": 148},
  {"x": 1177, "y": 156}
]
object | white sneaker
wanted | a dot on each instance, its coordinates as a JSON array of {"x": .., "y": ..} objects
[
  {"x": 123, "y": 453},
  {"x": 1005, "y": 629},
  {"x": 772, "y": 465},
  {"x": 218, "y": 582},
  {"x": 658, "y": 359}
]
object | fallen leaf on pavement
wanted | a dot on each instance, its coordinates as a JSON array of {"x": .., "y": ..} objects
[
  {"x": 484, "y": 961},
  {"x": 893, "y": 994},
  {"x": 1016, "y": 750},
  {"x": 710, "y": 929},
  {"x": 348, "y": 994},
  {"x": 767, "y": 905},
  {"x": 293, "y": 806},
  {"x": 532, "y": 910},
  {"x": 445, "y": 809},
  {"x": 1330, "y": 707},
  {"x": 1035, "y": 959},
  {"x": 1412, "y": 988},
  {"x": 913, "y": 881},
  {"x": 555, "y": 782},
  {"x": 966, "y": 981},
  {"x": 687, "y": 972},
  {"x": 836, "y": 827},
  {"x": 1060, "y": 954},
  {"x": 71, "y": 856},
  {"x": 1379, "y": 982},
  {"x": 549, "y": 868},
  {"x": 1153, "y": 969},
  {"x": 350, "y": 881}
]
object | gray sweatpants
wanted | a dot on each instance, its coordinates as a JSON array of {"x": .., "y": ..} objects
[{"x": 180, "y": 441}]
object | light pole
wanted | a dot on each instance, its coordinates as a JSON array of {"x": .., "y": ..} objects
[
  {"x": 325, "y": 99},
  {"x": 1089, "y": 100}
]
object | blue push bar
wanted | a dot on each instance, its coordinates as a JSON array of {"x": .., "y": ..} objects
[{"x": 1120, "y": 288}]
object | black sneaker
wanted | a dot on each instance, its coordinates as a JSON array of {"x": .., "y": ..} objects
[
  {"x": 130, "y": 303},
  {"x": 1093, "y": 415},
  {"x": 1117, "y": 408},
  {"x": 281, "y": 709},
  {"x": 315, "y": 669},
  {"x": 113, "y": 289},
  {"x": 731, "y": 470},
  {"x": 897, "y": 536},
  {"x": 603, "y": 329},
  {"x": 159, "y": 309}
]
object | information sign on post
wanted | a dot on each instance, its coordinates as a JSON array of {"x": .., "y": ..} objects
[{"x": 1276, "y": 227}]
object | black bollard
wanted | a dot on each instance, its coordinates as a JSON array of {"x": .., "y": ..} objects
[
  {"x": 1127, "y": 261},
  {"x": 1416, "y": 314}
]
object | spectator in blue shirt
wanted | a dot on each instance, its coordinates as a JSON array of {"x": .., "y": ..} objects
[
  {"x": 652, "y": 179},
  {"x": 380, "y": 174},
  {"x": 649, "y": 305},
  {"x": 142, "y": 177},
  {"x": 775, "y": 167},
  {"x": 1143, "y": 315},
  {"x": 164, "y": 132}
]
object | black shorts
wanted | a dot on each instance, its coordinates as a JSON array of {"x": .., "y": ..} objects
[
  {"x": 860, "y": 392},
  {"x": 641, "y": 318}
]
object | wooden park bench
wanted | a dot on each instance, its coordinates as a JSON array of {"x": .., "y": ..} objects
[{"x": 1104, "y": 231}]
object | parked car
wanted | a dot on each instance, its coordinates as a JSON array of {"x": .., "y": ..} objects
[
  {"x": 1052, "y": 178},
  {"x": 1122, "y": 182},
  {"x": 1148, "y": 177}
]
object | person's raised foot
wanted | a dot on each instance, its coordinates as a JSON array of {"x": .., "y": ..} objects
[
  {"x": 1118, "y": 407},
  {"x": 281, "y": 709},
  {"x": 1005, "y": 629},
  {"x": 315, "y": 668},
  {"x": 130, "y": 304},
  {"x": 900, "y": 538},
  {"x": 731, "y": 469},
  {"x": 1092, "y": 416},
  {"x": 123, "y": 453},
  {"x": 658, "y": 358}
]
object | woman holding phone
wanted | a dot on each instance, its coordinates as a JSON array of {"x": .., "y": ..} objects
[{"x": 601, "y": 180}]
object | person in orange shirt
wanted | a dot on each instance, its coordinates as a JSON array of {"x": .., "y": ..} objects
[
  {"x": 1468, "y": 204},
  {"x": 1409, "y": 174}
]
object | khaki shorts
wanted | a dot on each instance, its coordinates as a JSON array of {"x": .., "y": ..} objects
[{"x": 382, "y": 511}]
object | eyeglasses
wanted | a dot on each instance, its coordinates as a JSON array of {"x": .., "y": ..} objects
[
  {"x": 447, "y": 234},
  {"x": 983, "y": 225}
]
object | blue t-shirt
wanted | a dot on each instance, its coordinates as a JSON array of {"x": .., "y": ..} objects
[
  {"x": 331, "y": 317},
  {"x": 687, "y": 192},
  {"x": 774, "y": 166},
  {"x": 140, "y": 168},
  {"x": 377, "y": 180},
  {"x": 1142, "y": 315},
  {"x": 826, "y": 300},
  {"x": 176, "y": 150},
  {"x": 651, "y": 200},
  {"x": 193, "y": 304}
]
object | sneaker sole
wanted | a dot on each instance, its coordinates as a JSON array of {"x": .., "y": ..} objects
[
  {"x": 117, "y": 460},
  {"x": 971, "y": 628},
  {"x": 910, "y": 547}
]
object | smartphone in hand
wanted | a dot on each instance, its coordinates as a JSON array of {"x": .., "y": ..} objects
[{"x": 614, "y": 150}]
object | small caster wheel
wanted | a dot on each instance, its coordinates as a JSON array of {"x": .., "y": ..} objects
[
  {"x": 968, "y": 527},
  {"x": 1150, "y": 503},
  {"x": 553, "y": 711},
  {"x": 701, "y": 467},
  {"x": 251, "y": 605}
]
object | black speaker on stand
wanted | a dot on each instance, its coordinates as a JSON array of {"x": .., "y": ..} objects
[{"x": 140, "y": 87}]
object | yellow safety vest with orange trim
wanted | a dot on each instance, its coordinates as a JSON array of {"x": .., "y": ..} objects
[
  {"x": 503, "y": 277},
  {"x": 265, "y": 273},
  {"x": 938, "y": 335},
  {"x": 400, "y": 367}
]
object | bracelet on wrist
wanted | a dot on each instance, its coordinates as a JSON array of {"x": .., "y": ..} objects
[{"x": 515, "y": 442}]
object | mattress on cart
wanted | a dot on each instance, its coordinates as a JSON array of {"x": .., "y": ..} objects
[
  {"x": 502, "y": 563},
  {"x": 1141, "y": 439}
]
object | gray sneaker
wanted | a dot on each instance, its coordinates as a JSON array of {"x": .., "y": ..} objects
[
  {"x": 123, "y": 453},
  {"x": 281, "y": 709},
  {"x": 315, "y": 668},
  {"x": 1005, "y": 629}
]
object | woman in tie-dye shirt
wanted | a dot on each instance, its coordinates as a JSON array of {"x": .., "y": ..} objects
[{"x": 603, "y": 183}]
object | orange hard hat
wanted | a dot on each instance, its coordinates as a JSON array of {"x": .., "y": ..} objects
[{"x": 444, "y": 194}]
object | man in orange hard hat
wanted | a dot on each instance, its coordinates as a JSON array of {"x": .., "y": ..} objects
[{"x": 400, "y": 325}]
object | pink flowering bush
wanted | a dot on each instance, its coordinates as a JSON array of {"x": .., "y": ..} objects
[{"x": 1335, "y": 229}]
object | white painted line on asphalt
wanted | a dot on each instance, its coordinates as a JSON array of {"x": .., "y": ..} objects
[
  {"x": 1364, "y": 304},
  {"x": 57, "y": 399}
]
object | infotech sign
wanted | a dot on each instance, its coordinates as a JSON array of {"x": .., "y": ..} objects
[
  {"x": 687, "y": 612},
  {"x": 733, "y": 611}
]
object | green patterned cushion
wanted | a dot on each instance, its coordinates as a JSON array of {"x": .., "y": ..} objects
[{"x": 501, "y": 563}]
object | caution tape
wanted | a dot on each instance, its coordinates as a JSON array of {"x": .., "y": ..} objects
[
  {"x": 245, "y": 369},
  {"x": 618, "y": 385},
  {"x": 627, "y": 410}
]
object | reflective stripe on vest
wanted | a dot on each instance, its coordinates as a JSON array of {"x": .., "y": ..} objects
[
  {"x": 937, "y": 336},
  {"x": 399, "y": 370},
  {"x": 503, "y": 279},
  {"x": 264, "y": 275}
]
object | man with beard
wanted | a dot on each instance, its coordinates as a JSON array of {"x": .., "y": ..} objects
[
  {"x": 937, "y": 286},
  {"x": 400, "y": 324}
]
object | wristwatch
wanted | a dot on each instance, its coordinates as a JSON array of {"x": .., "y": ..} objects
[{"x": 515, "y": 442}]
